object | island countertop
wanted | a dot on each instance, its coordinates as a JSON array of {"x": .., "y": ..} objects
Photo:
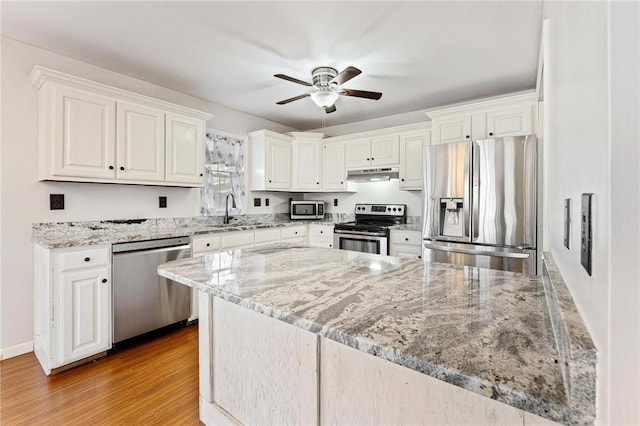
[{"x": 483, "y": 330}]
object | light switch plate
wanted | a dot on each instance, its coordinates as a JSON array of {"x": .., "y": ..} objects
[
  {"x": 256, "y": 202},
  {"x": 567, "y": 223},
  {"x": 586, "y": 244},
  {"x": 266, "y": 202},
  {"x": 162, "y": 202}
]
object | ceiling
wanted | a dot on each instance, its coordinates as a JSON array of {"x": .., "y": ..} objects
[{"x": 419, "y": 54}]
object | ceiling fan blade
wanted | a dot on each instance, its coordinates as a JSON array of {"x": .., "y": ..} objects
[
  {"x": 330, "y": 109},
  {"x": 361, "y": 94},
  {"x": 294, "y": 80},
  {"x": 345, "y": 75},
  {"x": 295, "y": 98}
]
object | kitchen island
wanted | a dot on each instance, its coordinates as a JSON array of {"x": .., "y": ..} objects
[{"x": 300, "y": 335}]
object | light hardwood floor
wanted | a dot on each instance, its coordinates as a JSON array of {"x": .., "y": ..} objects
[{"x": 154, "y": 382}]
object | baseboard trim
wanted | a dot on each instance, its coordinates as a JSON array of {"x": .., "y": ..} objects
[{"x": 11, "y": 351}]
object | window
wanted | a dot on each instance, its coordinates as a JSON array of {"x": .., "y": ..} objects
[{"x": 224, "y": 174}]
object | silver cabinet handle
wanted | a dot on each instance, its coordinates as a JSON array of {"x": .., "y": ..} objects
[{"x": 477, "y": 252}]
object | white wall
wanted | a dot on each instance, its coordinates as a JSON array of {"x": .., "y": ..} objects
[
  {"x": 591, "y": 99},
  {"x": 25, "y": 200},
  {"x": 372, "y": 192}
]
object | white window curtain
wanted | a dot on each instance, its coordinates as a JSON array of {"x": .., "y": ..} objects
[{"x": 224, "y": 174}]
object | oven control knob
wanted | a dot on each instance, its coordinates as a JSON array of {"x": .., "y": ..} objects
[
  {"x": 399, "y": 209},
  {"x": 394, "y": 209},
  {"x": 388, "y": 209}
]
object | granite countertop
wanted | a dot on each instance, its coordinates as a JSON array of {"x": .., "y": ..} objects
[
  {"x": 112, "y": 232},
  {"x": 484, "y": 330},
  {"x": 413, "y": 227}
]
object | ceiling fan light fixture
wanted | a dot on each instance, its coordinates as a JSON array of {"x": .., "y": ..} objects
[{"x": 324, "y": 98}]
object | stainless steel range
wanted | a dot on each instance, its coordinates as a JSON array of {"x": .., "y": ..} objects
[{"x": 370, "y": 231}]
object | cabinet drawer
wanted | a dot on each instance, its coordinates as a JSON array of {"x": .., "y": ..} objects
[
  {"x": 85, "y": 258},
  {"x": 237, "y": 239},
  {"x": 406, "y": 251},
  {"x": 406, "y": 237},
  {"x": 321, "y": 242},
  {"x": 293, "y": 232},
  {"x": 206, "y": 243},
  {"x": 264, "y": 236},
  {"x": 320, "y": 231}
]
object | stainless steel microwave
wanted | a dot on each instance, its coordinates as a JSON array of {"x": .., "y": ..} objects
[{"x": 307, "y": 209}]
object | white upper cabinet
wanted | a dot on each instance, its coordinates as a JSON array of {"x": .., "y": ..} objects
[
  {"x": 270, "y": 157},
  {"x": 307, "y": 161},
  {"x": 511, "y": 121},
  {"x": 140, "y": 142},
  {"x": 357, "y": 153},
  {"x": 513, "y": 115},
  {"x": 334, "y": 177},
  {"x": 385, "y": 150},
  {"x": 380, "y": 150},
  {"x": 411, "y": 146},
  {"x": 184, "y": 149},
  {"x": 83, "y": 141},
  {"x": 452, "y": 129},
  {"x": 91, "y": 132}
]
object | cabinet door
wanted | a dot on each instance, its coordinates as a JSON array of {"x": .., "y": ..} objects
[
  {"x": 357, "y": 153},
  {"x": 184, "y": 149},
  {"x": 510, "y": 122},
  {"x": 405, "y": 251},
  {"x": 333, "y": 170},
  {"x": 278, "y": 164},
  {"x": 411, "y": 146},
  {"x": 140, "y": 143},
  {"x": 85, "y": 313},
  {"x": 385, "y": 150},
  {"x": 84, "y": 134},
  {"x": 451, "y": 129},
  {"x": 306, "y": 165}
]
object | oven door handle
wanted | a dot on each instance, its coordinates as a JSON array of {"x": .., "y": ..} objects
[
  {"x": 476, "y": 252},
  {"x": 366, "y": 234}
]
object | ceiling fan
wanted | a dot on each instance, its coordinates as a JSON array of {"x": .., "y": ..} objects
[{"x": 326, "y": 87}]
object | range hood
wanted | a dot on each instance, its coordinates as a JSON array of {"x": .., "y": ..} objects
[{"x": 373, "y": 174}]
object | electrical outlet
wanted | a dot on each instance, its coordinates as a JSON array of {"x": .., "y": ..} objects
[
  {"x": 56, "y": 201},
  {"x": 162, "y": 202},
  {"x": 335, "y": 202},
  {"x": 256, "y": 202},
  {"x": 266, "y": 202}
]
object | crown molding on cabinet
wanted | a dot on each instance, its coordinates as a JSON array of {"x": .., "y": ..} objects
[
  {"x": 39, "y": 75},
  {"x": 496, "y": 102},
  {"x": 381, "y": 132}
]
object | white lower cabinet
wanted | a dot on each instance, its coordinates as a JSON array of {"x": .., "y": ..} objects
[
  {"x": 294, "y": 234},
  {"x": 211, "y": 243},
  {"x": 72, "y": 312},
  {"x": 406, "y": 244},
  {"x": 266, "y": 236},
  {"x": 321, "y": 235}
]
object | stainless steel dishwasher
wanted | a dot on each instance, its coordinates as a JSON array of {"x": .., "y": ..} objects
[{"x": 144, "y": 301}]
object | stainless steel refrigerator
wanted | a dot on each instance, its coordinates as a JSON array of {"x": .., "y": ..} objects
[{"x": 479, "y": 203}]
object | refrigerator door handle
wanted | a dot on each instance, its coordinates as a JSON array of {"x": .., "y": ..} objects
[
  {"x": 475, "y": 194},
  {"x": 468, "y": 200},
  {"x": 476, "y": 252}
]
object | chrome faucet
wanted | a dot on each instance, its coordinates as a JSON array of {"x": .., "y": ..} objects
[{"x": 226, "y": 207}]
